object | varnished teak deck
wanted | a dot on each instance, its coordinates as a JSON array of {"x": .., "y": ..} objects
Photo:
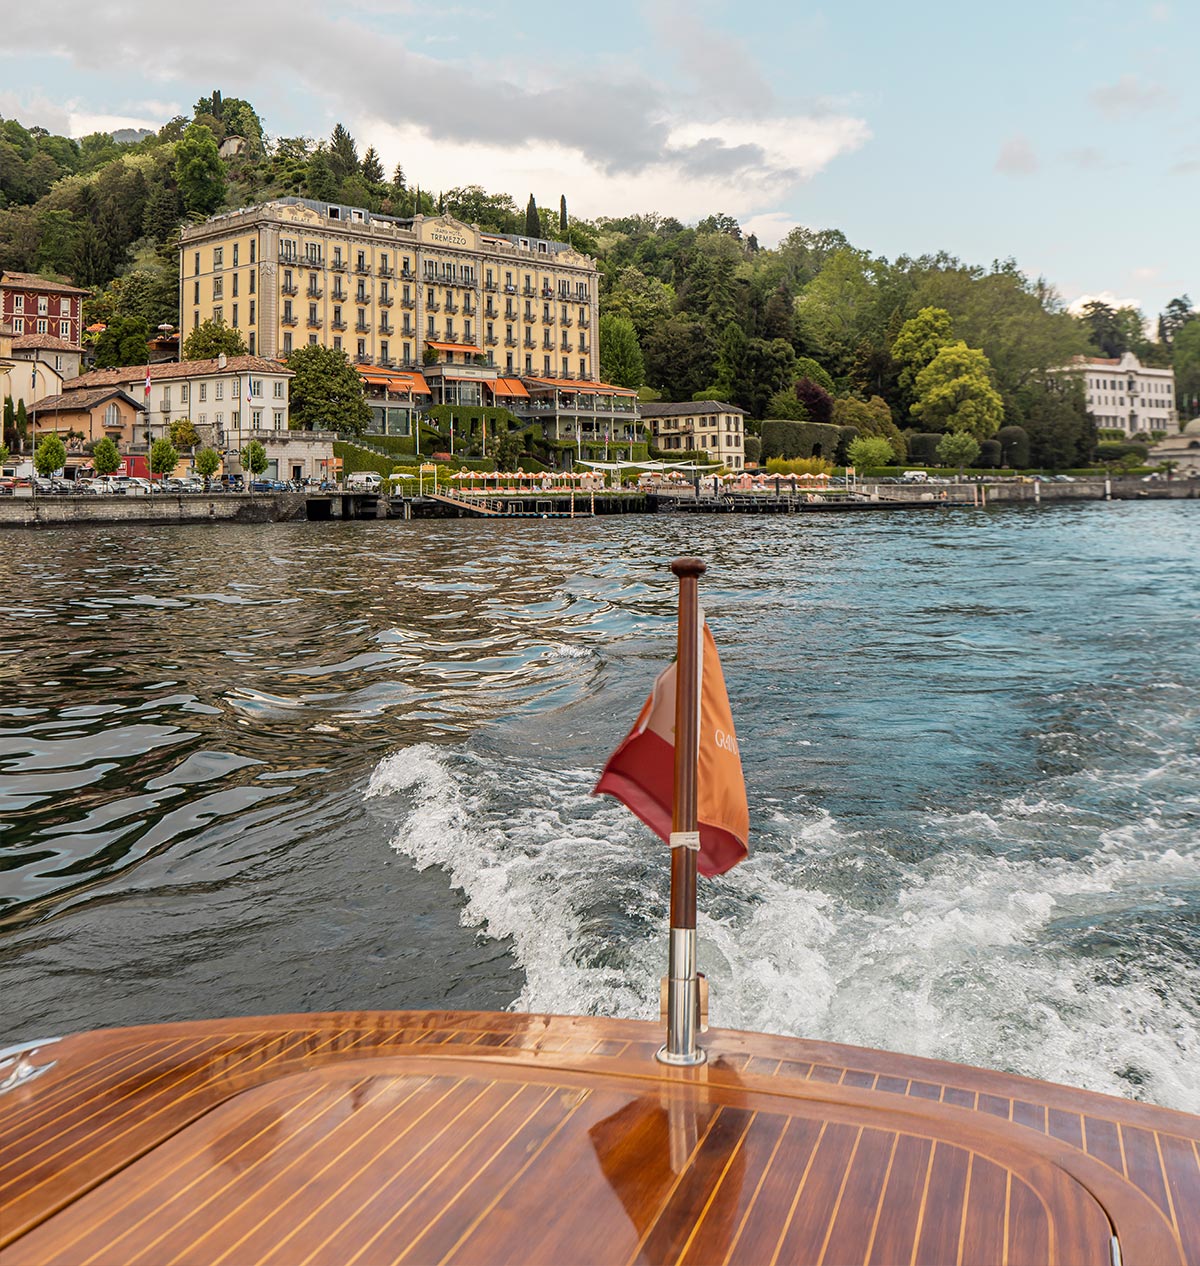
[{"x": 480, "y": 1138}]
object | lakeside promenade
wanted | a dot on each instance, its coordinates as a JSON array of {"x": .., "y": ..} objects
[{"x": 287, "y": 507}]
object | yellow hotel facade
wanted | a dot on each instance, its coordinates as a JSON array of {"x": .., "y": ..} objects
[{"x": 426, "y": 293}]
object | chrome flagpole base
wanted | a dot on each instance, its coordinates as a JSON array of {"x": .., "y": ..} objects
[{"x": 683, "y": 1003}]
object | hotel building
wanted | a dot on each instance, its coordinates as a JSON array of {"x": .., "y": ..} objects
[
  {"x": 473, "y": 315},
  {"x": 32, "y": 305}
]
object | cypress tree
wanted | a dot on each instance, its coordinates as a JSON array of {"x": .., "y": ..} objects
[
  {"x": 562, "y": 216},
  {"x": 533, "y": 226}
]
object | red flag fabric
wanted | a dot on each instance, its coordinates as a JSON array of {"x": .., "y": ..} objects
[{"x": 641, "y": 772}]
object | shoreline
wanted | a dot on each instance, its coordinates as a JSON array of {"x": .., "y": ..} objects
[{"x": 297, "y": 507}]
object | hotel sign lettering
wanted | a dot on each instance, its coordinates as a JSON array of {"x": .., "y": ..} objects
[{"x": 447, "y": 236}]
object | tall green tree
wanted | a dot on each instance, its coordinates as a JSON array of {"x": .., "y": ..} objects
[
  {"x": 955, "y": 393},
  {"x": 343, "y": 154},
  {"x": 164, "y": 457},
  {"x": 106, "y": 457},
  {"x": 49, "y": 456},
  {"x": 621, "y": 360},
  {"x": 326, "y": 392},
  {"x": 1185, "y": 354},
  {"x": 562, "y": 216},
  {"x": 199, "y": 174},
  {"x": 958, "y": 448},
  {"x": 210, "y": 339},
  {"x": 320, "y": 183},
  {"x": 183, "y": 434},
  {"x": 869, "y": 451},
  {"x": 533, "y": 222},
  {"x": 372, "y": 168},
  {"x": 207, "y": 461},
  {"x": 919, "y": 341},
  {"x": 254, "y": 458}
]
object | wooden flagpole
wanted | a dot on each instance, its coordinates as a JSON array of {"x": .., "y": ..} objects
[{"x": 683, "y": 983}]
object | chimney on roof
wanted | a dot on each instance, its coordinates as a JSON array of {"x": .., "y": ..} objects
[{"x": 221, "y": 359}]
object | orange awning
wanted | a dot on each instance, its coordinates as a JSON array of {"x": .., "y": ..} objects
[
  {"x": 403, "y": 383},
  {"x": 508, "y": 387},
  {"x": 455, "y": 347}
]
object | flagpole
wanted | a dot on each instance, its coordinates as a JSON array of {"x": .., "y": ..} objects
[{"x": 683, "y": 982}]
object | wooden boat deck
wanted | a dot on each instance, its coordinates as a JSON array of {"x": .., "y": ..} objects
[{"x": 491, "y": 1138}]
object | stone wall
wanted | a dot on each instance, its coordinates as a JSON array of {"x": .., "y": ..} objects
[{"x": 27, "y": 512}]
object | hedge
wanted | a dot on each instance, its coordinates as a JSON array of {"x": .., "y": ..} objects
[
  {"x": 782, "y": 438},
  {"x": 355, "y": 459}
]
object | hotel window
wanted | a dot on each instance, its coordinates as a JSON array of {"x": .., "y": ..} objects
[
  {"x": 429, "y": 326},
  {"x": 529, "y": 364},
  {"x": 18, "y": 325},
  {"x": 64, "y": 329},
  {"x": 279, "y": 419},
  {"x": 112, "y": 416},
  {"x": 251, "y": 321},
  {"x": 252, "y": 276},
  {"x": 196, "y": 267},
  {"x": 566, "y": 371},
  {"x": 195, "y": 292},
  {"x": 255, "y": 386},
  {"x": 43, "y": 307},
  {"x": 278, "y": 392},
  {"x": 287, "y": 248},
  {"x": 361, "y": 265},
  {"x": 312, "y": 252},
  {"x": 166, "y": 398},
  {"x": 219, "y": 391},
  {"x": 337, "y": 342},
  {"x": 64, "y": 307},
  {"x": 218, "y": 288},
  {"x": 218, "y": 257},
  {"x": 287, "y": 343},
  {"x": 256, "y": 418},
  {"x": 251, "y": 349},
  {"x": 235, "y": 254},
  {"x": 252, "y": 245},
  {"x": 362, "y": 348},
  {"x": 18, "y": 303},
  {"x": 235, "y": 285},
  {"x": 582, "y": 368},
  {"x": 183, "y": 393},
  {"x": 312, "y": 314},
  {"x": 203, "y": 392},
  {"x": 235, "y": 314},
  {"x": 546, "y": 366},
  {"x": 41, "y": 328},
  {"x": 383, "y": 350}
]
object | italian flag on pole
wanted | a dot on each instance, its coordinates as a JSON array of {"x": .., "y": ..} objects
[{"x": 641, "y": 772}]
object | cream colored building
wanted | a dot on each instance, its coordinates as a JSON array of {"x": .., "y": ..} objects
[
  {"x": 1126, "y": 396},
  {"x": 1182, "y": 448},
  {"x": 428, "y": 293},
  {"x": 707, "y": 426}
]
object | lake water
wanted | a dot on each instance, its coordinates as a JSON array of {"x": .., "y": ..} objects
[{"x": 311, "y": 766}]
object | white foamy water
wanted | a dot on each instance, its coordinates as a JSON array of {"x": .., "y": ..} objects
[{"x": 965, "y": 955}]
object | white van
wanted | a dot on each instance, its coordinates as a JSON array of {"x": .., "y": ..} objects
[
  {"x": 364, "y": 481},
  {"x": 916, "y": 476}
]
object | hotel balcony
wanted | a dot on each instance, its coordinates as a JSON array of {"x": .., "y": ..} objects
[
  {"x": 510, "y": 342},
  {"x": 528, "y": 291},
  {"x": 469, "y": 309},
  {"x": 385, "y": 328},
  {"x": 362, "y": 327},
  {"x": 338, "y": 325},
  {"x": 386, "y": 271},
  {"x": 491, "y": 285},
  {"x": 585, "y": 323},
  {"x": 314, "y": 323},
  {"x": 386, "y": 300},
  {"x": 565, "y": 345},
  {"x": 510, "y": 290},
  {"x": 289, "y": 288},
  {"x": 565, "y": 321},
  {"x": 339, "y": 295},
  {"x": 289, "y": 318},
  {"x": 314, "y": 292},
  {"x": 408, "y": 303},
  {"x": 311, "y": 261},
  {"x": 285, "y": 258},
  {"x": 433, "y": 306},
  {"x": 491, "y": 341},
  {"x": 451, "y": 306},
  {"x": 547, "y": 292},
  {"x": 529, "y": 342},
  {"x": 491, "y": 314},
  {"x": 338, "y": 265},
  {"x": 364, "y": 269}
]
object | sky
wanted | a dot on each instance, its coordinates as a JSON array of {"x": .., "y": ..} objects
[{"x": 1063, "y": 134}]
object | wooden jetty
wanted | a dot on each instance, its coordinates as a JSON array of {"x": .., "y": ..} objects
[{"x": 389, "y": 1137}]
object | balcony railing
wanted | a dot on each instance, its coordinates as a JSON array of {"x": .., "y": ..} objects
[
  {"x": 510, "y": 342},
  {"x": 385, "y": 301},
  {"x": 338, "y": 325},
  {"x": 564, "y": 321},
  {"x": 385, "y": 271},
  {"x": 289, "y": 318},
  {"x": 314, "y": 323},
  {"x": 491, "y": 285},
  {"x": 585, "y": 323},
  {"x": 362, "y": 327},
  {"x": 408, "y": 303},
  {"x": 547, "y": 292},
  {"x": 510, "y": 290},
  {"x": 584, "y": 348},
  {"x": 451, "y": 306},
  {"x": 338, "y": 265},
  {"x": 288, "y": 257},
  {"x": 385, "y": 328},
  {"x": 314, "y": 292},
  {"x": 529, "y": 342},
  {"x": 433, "y": 306},
  {"x": 491, "y": 341},
  {"x": 469, "y": 309},
  {"x": 338, "y": 295},
  {"x": 312, "y": 261},
  {"x": 289, "y": 288},
  {"x": 565, "y": 345},
  {"x": 528, "y": 290},
  {"x": 363, "y": 267},
  {"x": 547, "y": 345}
]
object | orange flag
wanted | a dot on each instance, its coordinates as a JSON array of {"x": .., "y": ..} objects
[{"x": 641, "y": 772}]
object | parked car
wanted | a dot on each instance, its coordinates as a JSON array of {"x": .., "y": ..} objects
[
  {"x": 8, "y": 487},
  {"x": 261, "y": 485},
  {"x": 86, "y": 487}
]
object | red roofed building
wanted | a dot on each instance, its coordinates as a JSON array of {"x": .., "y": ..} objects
[{"x": 33, "y": 305}]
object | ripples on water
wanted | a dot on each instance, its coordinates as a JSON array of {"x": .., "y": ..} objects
[{"x": 970, "y": 743}]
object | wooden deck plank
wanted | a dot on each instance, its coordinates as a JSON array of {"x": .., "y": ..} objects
[{"x": 289, "y": 1138}]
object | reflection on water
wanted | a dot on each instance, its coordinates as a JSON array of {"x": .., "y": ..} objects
[{"x": 970, "y": 741}]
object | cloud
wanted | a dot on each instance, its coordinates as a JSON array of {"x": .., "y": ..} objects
[
  {"x": 537, "y": 122},
  {"x": 1146, "y": 274},
  {"x": 1090, "y": 159},
  {"x": 770, "y": 227},
  {"x": 1129, "y": 95},
  {"x": 1160, "y": 12},
  {"x": 1017, "y": 158},
  {"x": 1076, "y": 306}
]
